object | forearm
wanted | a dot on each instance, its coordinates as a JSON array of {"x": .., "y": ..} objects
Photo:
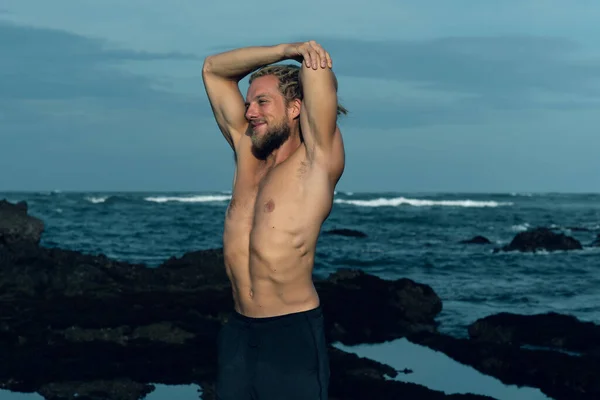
[{"x": 236, "y": 64}]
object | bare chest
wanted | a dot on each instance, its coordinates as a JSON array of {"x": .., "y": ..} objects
[{"x": 267, "y": 196}]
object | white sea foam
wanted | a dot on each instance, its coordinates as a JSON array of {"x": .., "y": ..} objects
[
  {"x": 189, "y": 199},
  {"x": 515, "y": 194},
  {"x": 520, "y": 227},
  {"x": 96, "y": 200},
  {"x": 397, "y": 201}
]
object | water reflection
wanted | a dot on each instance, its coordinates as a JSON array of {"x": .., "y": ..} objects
[
  {"x": 162, "y": 392},
  {"x": 437, "y": 371},
  {"x": 429, "y": 368},
  {"x": 6, "y": 395},
  {"x": 165, "y": 392}
]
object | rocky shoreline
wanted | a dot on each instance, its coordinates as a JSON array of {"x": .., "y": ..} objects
[{"x": 80, "y": 326}]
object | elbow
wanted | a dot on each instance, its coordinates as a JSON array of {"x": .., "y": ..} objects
[{"x": 207, "y": 66}]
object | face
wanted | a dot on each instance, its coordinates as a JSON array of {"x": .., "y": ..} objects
[{"x": 268, "y": 116}]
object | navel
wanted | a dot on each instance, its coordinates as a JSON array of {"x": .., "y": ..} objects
[{"x": 269, "y": 206}]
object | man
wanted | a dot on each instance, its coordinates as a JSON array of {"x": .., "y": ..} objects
[{"x": 289, "y": 157}]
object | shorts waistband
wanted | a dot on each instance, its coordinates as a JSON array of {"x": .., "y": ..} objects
[{"x": 285, "y": 318}]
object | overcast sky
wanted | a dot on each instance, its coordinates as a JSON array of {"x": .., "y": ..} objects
[{"x": 479, "y": 95}]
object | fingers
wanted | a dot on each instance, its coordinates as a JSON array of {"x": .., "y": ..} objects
[
  {"x": 322, "y": 55},
  {"x": 307, "y": 58},
  {"x": 315, "y": 56}
]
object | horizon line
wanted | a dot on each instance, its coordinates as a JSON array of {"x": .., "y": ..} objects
[{"x": 196, "y": 191}]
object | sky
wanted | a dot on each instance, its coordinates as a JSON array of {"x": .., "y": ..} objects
[{"x": 461, "y": 96}]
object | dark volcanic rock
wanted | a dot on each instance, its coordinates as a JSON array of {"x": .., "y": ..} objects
[
  {"x": 75, "y": 323},
  {"x": 123, "y": 389},
  {"x": 577, "y": 229},
  {"x": 477, "y": 240},
  {"x": 72, "y": 324},
  {"x": 362, "y": 379},
  {"x": 17, "y": 226},
  {"x": 558, "y": 375},
  {"x": 386, "y": 309},
  {"x": 346, "y": 232},
  {"x": 541, "y": 239},
  {"x": 545, "y": 330},
  {"x": 572, "y": 228}
]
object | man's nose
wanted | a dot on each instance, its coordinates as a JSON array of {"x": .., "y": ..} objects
[{"x": 251, "y": 112}]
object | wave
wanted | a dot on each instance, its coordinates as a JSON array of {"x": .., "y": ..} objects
[
  {"x": 189, "y": 199},
  {"x": 397, "y": 201},
  {"x": 515, "y": 194},
  {"x": 110, "y": 199},
  {"x": 583, "y": 227},
  {"x": 521, "y": 227},
  {"x": 97, "y": 200}
]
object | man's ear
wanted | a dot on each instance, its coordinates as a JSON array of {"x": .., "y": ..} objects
[{"x": 295, "y": 106}]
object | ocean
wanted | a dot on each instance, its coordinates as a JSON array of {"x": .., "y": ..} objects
[{"x": 411, "y": 235}]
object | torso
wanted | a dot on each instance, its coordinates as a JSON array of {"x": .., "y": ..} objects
[{"x": 271, "y": 229}]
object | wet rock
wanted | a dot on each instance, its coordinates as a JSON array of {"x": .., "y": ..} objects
[
  {"x": 577, "y": 229},
  {"x": 385, "y": 309},
  {"x": 477, "y": 240},
  {"x": 541, "y": 239},
  {"x": 551, "y": 330},
  {"x": 122, "y": 389},
  {"x": 572, "y": 228},
  {"x": 558, "y": 375},
  {"x": 360, "y": 378},
  {"x": 346, "y": 232},
  {"x": 16, "y": 226},
  {"x": 73, "y": 322}
]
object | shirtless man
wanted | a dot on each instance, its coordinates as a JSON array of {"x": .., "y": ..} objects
[{"x": 289, "y": 157}]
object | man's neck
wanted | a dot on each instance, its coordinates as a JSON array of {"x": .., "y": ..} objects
[{"x": 285, "y": 150}]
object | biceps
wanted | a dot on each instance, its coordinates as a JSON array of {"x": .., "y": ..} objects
[
  {"x": 227, "y": 105},
  {"x": 318, "y": 119},
  {"x": 319, "y": 108}
]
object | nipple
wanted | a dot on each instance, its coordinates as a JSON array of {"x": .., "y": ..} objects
[{"x": 270, "y": 206}]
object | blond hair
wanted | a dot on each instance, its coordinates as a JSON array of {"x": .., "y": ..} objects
[{"x": 289, "y": 82}]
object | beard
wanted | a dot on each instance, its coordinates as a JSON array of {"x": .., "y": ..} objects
[{"x": 272, "y": 139}]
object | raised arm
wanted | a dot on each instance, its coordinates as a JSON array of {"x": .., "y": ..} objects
[
  {"x": 318, "y": 117},
  {"x": 221, "y": 74}
]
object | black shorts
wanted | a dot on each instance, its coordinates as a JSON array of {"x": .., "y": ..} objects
[{"x": 283, "y": 357}]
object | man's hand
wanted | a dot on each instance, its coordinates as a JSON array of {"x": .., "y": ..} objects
[{"x": 310, "y": 53}]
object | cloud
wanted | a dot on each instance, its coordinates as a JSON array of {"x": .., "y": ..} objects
[
  {"x": 497, "y": 73},
  {"x": 52, "y": 64},
  {"x": 458, "y": 80},
  {"x": 63, "y": 83},
  {"x": 72, "y": 110}
]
